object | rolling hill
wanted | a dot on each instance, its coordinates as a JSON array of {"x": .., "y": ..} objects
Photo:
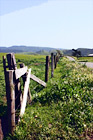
[
  {"x": 21, "y": 49},
  {"x": 42, "y": 50}
]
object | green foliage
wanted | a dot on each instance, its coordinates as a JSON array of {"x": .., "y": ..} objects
[
  {"x": 63, "y": 110},
  {"x": 2, "y": 88},
  {"x": 84, "y": 51},
  {"x": 85, "y": 59}
]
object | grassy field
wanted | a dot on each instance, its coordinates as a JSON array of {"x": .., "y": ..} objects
[
  {"x": 85, "y": 59},
  {"x": 62, "y": 110}
]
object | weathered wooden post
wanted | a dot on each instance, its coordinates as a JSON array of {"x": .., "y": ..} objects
[
  {"x": 4, "y": 66},
  {"x": 55, "y": 61},
  {"x": 12, "y": 66},
  {"x": 10, "y": 95},
  {"x": 24, "y": 77},
  {"x": 52, "y": 65},
  {"x": 25, "y": 94},
  {"x": 10, "y": 91},
  {"x": 47, "y": 69}
]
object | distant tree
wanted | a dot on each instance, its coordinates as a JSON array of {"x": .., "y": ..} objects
[
  {"x": 59, "y": 53},
  {"x": 76, "y": 53}
]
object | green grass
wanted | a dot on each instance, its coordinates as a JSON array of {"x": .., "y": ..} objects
[
  {"x": 37, "y": 65},
  {"x": 62, "y": 110},
  {"x": 2, "y": 88},
  {"x": 85, "y": 59}
]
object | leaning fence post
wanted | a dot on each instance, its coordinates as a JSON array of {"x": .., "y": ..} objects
[
  {"x": 24, "y": 79},
  {"x": 10, "y": 100},
  {"x": 47, "y": 69},
  {"x": 52, "y": 65}
]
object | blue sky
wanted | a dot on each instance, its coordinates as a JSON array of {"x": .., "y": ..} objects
[{"x": 47, "y": 23}]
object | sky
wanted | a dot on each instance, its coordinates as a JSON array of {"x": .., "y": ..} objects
[{"x": 63, "y": 24}]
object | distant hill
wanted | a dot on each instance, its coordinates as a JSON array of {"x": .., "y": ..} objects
[
  {"x": 28, "y": 49},
  {"x": 84, "y": 51},
  {"x": 42, "y": 50}
]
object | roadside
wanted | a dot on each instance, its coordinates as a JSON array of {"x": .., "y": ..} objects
[
  {"x": 88, "y": 64},
  {"x": 70, "y": 58}
]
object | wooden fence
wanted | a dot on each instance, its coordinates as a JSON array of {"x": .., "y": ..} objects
[
  {"x": 16, "y": 100},
  {"x": 54, "y": 60}
]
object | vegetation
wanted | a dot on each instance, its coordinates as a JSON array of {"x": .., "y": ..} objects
[
  {"x": 62, "y": 110},
  {"x": 2, "y": 89},
  {"x": 84, "y": 51},
  {"x": 85, "y": 59},
  {"x": 76, "y": 53}
]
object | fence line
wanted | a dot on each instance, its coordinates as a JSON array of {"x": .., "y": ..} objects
[{"x": 15, "y": 99}]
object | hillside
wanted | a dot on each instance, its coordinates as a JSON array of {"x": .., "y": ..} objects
[
  {"x": 42, "y": 50},
  {"x": 22, "y": 49}
]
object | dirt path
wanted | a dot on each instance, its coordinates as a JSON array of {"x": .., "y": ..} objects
[{"x": 88, "y": 64}]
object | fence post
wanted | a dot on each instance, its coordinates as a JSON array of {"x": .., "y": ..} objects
[
  {"x": 24, "y": 79},
  {"x": 52, "y": 65},
  {"x": 12, "y": 66},
  {"x": 55, "y": 61},
  {"x": 4, "y": 66},
  {"x": 10, "y": 100},
  {"x": 47, "y": 69}
]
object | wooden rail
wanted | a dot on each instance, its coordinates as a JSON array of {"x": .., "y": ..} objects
[
  {"x": 20, "y": 72},
  {"x": 26, "y": 87},
  {"x": 33, "y": 77}
]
